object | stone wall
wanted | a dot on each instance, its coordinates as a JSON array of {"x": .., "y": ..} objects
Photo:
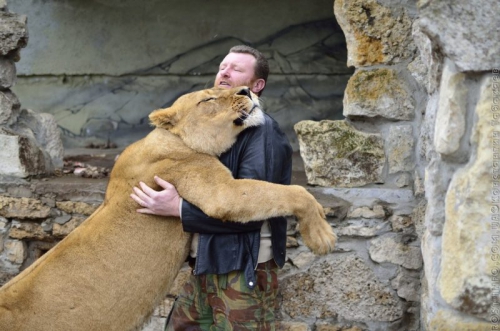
[
  {"x": 459, "y": 143},
  {"x": 420, "y": 115}
]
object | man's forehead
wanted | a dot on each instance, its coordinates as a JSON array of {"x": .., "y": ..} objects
[{"x": 239, "y": 58}]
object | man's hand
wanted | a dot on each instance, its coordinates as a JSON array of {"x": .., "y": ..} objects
[{"x": 164, "y": 203}]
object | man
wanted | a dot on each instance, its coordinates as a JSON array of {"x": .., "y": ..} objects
[{"x": 234, "y": 279}]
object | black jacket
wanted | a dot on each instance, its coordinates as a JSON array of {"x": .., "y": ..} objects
[{"x": 262, "y": 153}]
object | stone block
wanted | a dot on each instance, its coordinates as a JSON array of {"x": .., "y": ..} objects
[
  {"x": 392, "y": 248},
  {"x": 466, "y": 32},
  {"x": 450, "y": 117},
  {"x": 43, "y": 128},
  {"x": 28, "y": 231},
  {"x": 467, "y": 259},
  {"x": 378, "y": 92},
  {"x": 20, "y": 156},
  {"x": 15, "y": 252},
  {"x": 427, "y": 67},
  {"x": 402, "y": 180},
  {"x": 400, "y": 148},
  {"x": 303, "y": 259},
  {"x": 448, "y": 320},
  {"x": 437, "y": 179},
  {"x": 7, "y": 73},
  {"x": 336, "y": 154},
  {"x": 328, "y": 327},
  {"x": 362, "y": 228},
  {"x": 62, "y": 230},
  {"x": 355, "y": 294},
  {"x": 75, "y": 207},
  {"x": 13, "y": 32},
  {"x": 407, "y": 284},
  {"x": 374, "y": 34},
  {"x": 366, "y": 212},
  {"x": 292, "y": 326},
  {"x": 400, "y": 222},
  {"x": 23, "y": 208},
  {"x": 9, "y": 108}
]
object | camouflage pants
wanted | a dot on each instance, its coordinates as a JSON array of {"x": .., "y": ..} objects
[{"x": 224, "y": 302}]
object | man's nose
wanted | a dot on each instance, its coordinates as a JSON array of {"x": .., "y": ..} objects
[{"x": 224, "y": 72}]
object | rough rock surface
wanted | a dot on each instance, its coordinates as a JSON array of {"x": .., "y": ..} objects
[
  {"x": 392, "y": 248},
  {"x": 400, "y": 148},
  {"x": 355, "y": 294},
  {"x": 469, "y": 34},
  {"x": 374, "y": 34},
  {"x": 336, "y": 154},
  {"x": 23, "y": 208},
  {"x": 13, "y": 32},
  {"x": 450, "y": 117},
  {"x": 378, "y": 92},
  {"x": 465, "y": 280}
]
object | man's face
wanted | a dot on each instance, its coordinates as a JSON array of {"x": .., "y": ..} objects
[{"x": 237, "y": 69}]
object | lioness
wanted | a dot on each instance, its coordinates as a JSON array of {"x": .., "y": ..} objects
[{"x": 111, "y": 271}]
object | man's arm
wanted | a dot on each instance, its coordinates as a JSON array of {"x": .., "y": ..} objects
[{"x": 251, "y": 165}]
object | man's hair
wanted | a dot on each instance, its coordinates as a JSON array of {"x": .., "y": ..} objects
[{"x": 261, "y": 64}]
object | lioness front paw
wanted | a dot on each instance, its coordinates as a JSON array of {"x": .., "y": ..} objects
[{"x": 317, "y": 234}]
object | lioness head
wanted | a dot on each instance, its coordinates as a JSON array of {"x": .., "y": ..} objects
[{"x": 209, "y": 121}]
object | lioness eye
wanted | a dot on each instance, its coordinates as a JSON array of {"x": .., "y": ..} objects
[{"x": 205, "y": 100}]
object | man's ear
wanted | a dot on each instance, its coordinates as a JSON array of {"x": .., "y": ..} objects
[
  {"x": 163, "y": 118},
  {"x": 258, "y": 85}
]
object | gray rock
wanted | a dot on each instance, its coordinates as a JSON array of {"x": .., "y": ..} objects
[
  {"x": 375, "y": 34},
  {"x": 336, "y": 154},
  {"x": 391, "y": 248},
  {"x": 21, "y": 156},
  {"x": 466, "y": 32},
  {"x": 378, "y": 92},
  {"x": 303, "y": 259},
  {"x": 363, "y": 228},
  {"x": 9, "y": 108},
  {"x": 407, "y": 284},
  {"x": 450, "y": 117},
  {"x": 401, "y": 201},
  {"x": 365, "y": 212},
  {"x": 7, "y": 73},
  {"x": 400, "y": 145},
  {"x": 62, "y": 219},
  {"x": 437, "y": 180},
  {"x": 343, "y": 287},
  {"x": 429, "y": 58},
  {"x": 42, "y": 128},
  {"x": 402, "y": 180},
  {"x": 400, "y": 223},
  {"x": 13, "y": 32}
]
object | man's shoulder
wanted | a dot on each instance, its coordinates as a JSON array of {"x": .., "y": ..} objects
[{"x": 270, "y": 126}]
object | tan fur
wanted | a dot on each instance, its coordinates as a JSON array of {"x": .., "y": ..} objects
[{"x": 111, "y": 271}]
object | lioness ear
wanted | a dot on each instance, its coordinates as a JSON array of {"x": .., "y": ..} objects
[{"x": 163, "y": 118}]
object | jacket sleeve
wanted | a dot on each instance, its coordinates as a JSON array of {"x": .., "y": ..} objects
[{"x": 251, "y": 164}]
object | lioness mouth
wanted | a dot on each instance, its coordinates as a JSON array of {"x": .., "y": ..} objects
[{"x": 243, "y": 116}]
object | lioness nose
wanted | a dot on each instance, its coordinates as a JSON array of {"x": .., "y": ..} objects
[{"x": 244, "y": 91}]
